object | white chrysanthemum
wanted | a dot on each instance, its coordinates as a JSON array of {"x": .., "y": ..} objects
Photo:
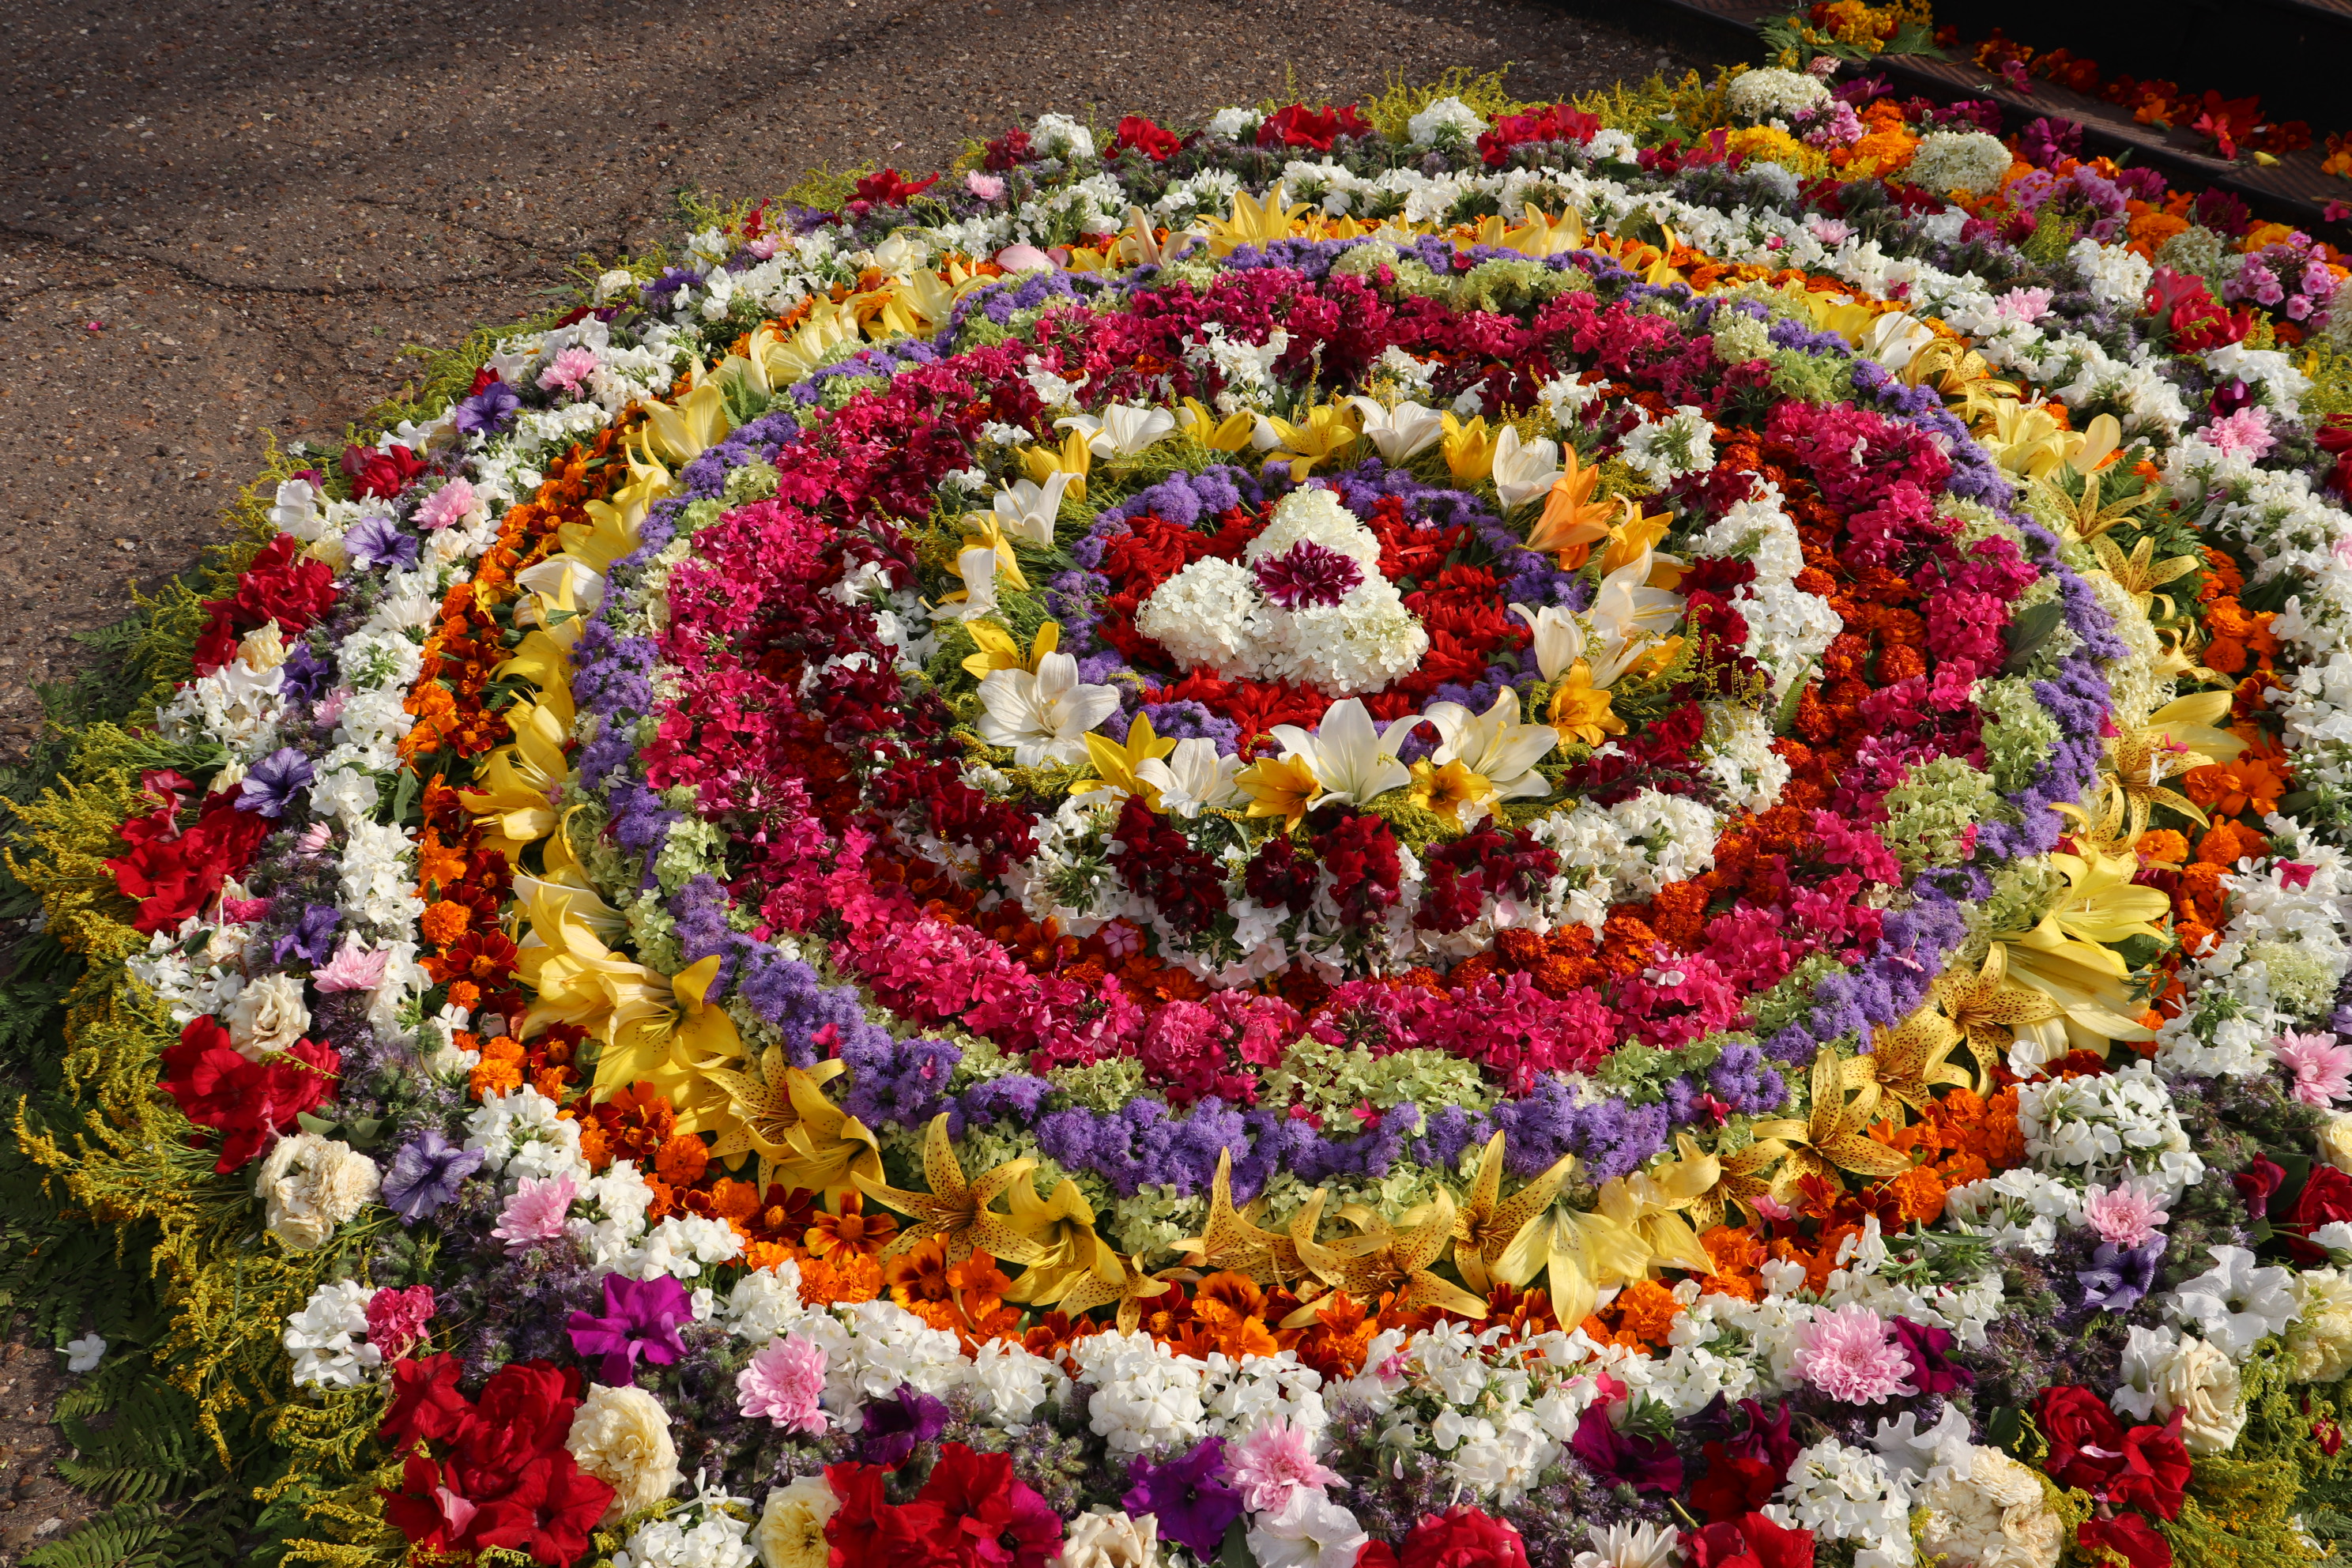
[
  {"x": 328, "y": 1338},
  {"x": 1992, "y": 1514},
  {"x": 1971, "y": 161}
]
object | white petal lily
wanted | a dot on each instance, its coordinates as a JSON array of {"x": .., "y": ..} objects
[
  {"x": 1194, "y": 778},
  {"x": 1894, "y": 339},
  {"x": 1124, "y": 431},
  {"x": 1495, "y": 744},
  {"x": 978, "y": 570},
  {"x": 1627, "y": 614},
  {"x": 1025, "y": 509},
  {"x": 1559, "y": 638},
  {"x": 1524, "y": 470},
  {"x": 1398, "y": 433},
  {"x": 1355, "y": 763},
  {"x": 1044, "y": 716}
]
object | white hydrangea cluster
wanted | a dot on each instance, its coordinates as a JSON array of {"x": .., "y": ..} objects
[
  {"x": 328, "y": 1338},
  {"x": 1969, "y": 162},
  {"x": 237, "y": 706},
  {"x": 1213, "y": 614},
  {"x": 2107, "y": 1126},
  {"x": 1772, "y": 94},
  {"x": 685, "y": 1246},
  {"x": 2278, "y": 960}
]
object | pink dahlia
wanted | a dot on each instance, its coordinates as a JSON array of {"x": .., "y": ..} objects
[
  {"x": 783, "y": 1383},
  {"x": 1848, "y": 1354},
  {"x": 1308, "y": 573},
  {"x": 2126, "y": 1216},
  {"x": 2321, "y": 1064},
  {"x": 1274, "y": 1460}
]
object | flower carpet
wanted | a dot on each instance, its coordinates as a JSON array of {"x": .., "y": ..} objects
[{"x": 1433, "y": 832}]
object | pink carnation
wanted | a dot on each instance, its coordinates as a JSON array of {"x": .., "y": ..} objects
[
  {"x": 783, "y": 1383},
  {"x": 397, "y": 1319},
  {"x": 568, "y": 370},
  {"x": 536, "y": 1213},
  {"x": 1273, "y": 1461},
  {"x": 2027, "y": 305},
  {"x": 1848, "y": 1354},
  {"x": 2126, "y": 1216},
  {"x": 353, "y": 968},
  {"x": 2322, "y": 1065},
  {"x": 447, "y": 505}
]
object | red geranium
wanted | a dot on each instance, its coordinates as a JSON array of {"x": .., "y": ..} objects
[
  {"x": 247, "y": 1102},
  {"x": 891, "y": 189},
  {"x": 1750, "y": 1540},
  {"x": 1555, "y": 122},
  {"x": 2126, "y": 1540},
  {"x": 173, "y": 874},
  {"x": 1154, "y": 142},
  {"x": 1458, "y": 1538},
  {"x": 425, "y": 1405},
  {"x": 275, "y": 587},
  {"x": 1299, "y": 126}
]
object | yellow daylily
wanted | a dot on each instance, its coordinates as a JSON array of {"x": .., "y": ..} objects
[
  {"x": 780, "y": 1112},
  {"x": 1488, "y": 1222},
  {"x": 794, "y": 353},
  {"x": 1961, "y": 375},
  {"x": 1228, "y": 433},
  {"x": 1910, "y": 1059},
  {"x": 1253, "y": 222},
  {"x": 1581, "y": 1256},
  {"x": 998, "y": 650},
  {"x": 2101, "y": 902},
  {"x": 1329, "y": 431},
  {"x": 1446, "y": 791},
  {"x": 675, "y": 1048},
  {"x": 1849, "y": 319},
  {"x": 683, "y": 430},
  {"x": 1469, "y": 449},
  {"x": 1830, "y": 1139},
  {"x": 1114, "y": 764},
  {"x": 1279, "y": 786},
  {"x": 955, "y": 1208}
]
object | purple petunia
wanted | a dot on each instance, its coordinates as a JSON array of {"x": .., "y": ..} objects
[
  {"x": 271, "y": 784},
  {"x": 425, "y": 1174},
  {"x": 2119, "y": 1277},
  {"x": 1187, "y": 1495},
  {"x": 894, "y": 1426},
  {"x": 488, "y": 411},
  {"x": 374, "y": 543},
  {"x": 642, "y": 1317},
  {"x": 312, "y": 940}
]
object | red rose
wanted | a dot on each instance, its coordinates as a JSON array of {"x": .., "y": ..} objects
[
  {"x": 2155, "y": 1470},
  {"x": 548, "y": 1511},
  {"x": 1752, "y": 1541},
  {"x": 525, "y": 1410},
  {"x": 245, "y": 1101},
  {"x": 425, "y": 1403},
  {"x": 2326, "y": 1197},
  {"x": 2127, "y": 1541},
  {"x": 1151, "y": 140},
  {"x": 2085, "y": 1439},
  {"x": 1462, "y": 1538}
]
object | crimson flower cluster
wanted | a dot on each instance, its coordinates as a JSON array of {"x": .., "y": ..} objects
[{"x": 494, "y": 1470}]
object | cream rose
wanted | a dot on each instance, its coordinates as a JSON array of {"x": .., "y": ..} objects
[
  {"x": 791, "y": 1532},
  {"x": 1110, "y": 1541},
  {"x": 268, "y": 1015},
  {"x": 621, "y": 1437},
  {"x": 310, "y": 1185},
  {"x": 2200, "y": 1382},
  {"x": 1995, "y": 1515},
  {"x": 2319, "y": 1345},
  {"x": 2336, "y": 1142}
]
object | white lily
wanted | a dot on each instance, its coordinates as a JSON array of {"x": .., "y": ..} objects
[
  {"x": 1044, "y": 716},
  {"x": 1123, "y": 430},
  {"x": 1398, "y": 433},
  {"x": 977, "y": 567},
  {"x": 1524, "y": 470},
  {"x": 1025, "y": 509},
  {"x": 1627, "y": 614},
  {"x": 1355, "y": 763},
  {"x": 1559, "y": 638},
  {"x": 1495, "y": 744},
  {"x": 1894, "y": 339},
  {"x": 1194, "y": 778}
]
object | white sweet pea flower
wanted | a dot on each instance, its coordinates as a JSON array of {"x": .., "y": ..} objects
[
  {"x": 1559, "y": 638},
  {"x": 1353, "y": 762},
  {"x": 1524, "y": 470},
  {"x": 1495, "y": 744},
  {"x": 1192, "y": 778},
  {"x": 1044, "y": 716},
  {"x": 1398, "y": 433},
  {"x": 1123, "y": 430},
  {"x": 1025, "y": 509}
]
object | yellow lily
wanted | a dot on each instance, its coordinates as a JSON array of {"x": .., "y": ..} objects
[
  {"x": 577, "y": 980},
  {"x": 988, "y": 537},
  {"x": 1572, "y": 522},
  {"x": 1075, "y": 456},
  {"x": 2140, "y": 574},
  {"x": 1070, "y": 1253},
  {"x": 1279, "y": 786},
  {"x": 1469, "y": 449},
  {"x": 1910, "y": 1059},
  {"x": 1229, "y": 433},
  {"x": 1230, "y": 1241},
  {"x": 1488, "y": 1222},
  {"x": 2178, "y": 736},
  {"x": 675, "y": 1049},
  {"x": 1986, "y": 1009},
  {"x": 1738, "y": 1178},
  {"x": 1387, "y": 1260},
  {"x": 1114, "y": 764},
  {"x": 683, "y": 430},
  {"x": 1329, "y": 431},
  {"x": 1650, "y": 1204},
  {"x": 515, "y": 805},
  {"x": 1131, "y": 1289},
  {"x": 792, "y": 355},
  {"x": 563, "y": 880},
  {"x": 1579, "y": 1254},
  {"x": 1581, "y": 710},
  {"x": 1636, "y": 535},
  {"x": 1830, "y": 1139},
  {"x": 955, "y": 1208},
  {"x": 1540, "y": 236},
  {"x": 2023, "y": 439},
  {"x": 1253, "y": 222},
  {"x": 804, "y": 1140},
  {"x": 2101, "y": 903},
  {"x": 999, "y": 651},
  {"x": 1847, "y": 318}
]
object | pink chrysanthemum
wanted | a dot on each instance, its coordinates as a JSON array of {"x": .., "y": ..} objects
[
  {"x": 353, "y": 968},
  {"x": 1308, "y": 573},
  {"x": 2321, "y": 1064},
  {"x": 569, "y": 370},
  {"x": 2246, "y": 433},
  {"x": 1848, "y": 1354},
  {"x": 1274, "y": 1460},
  {"x": 450, "y": 503},
  {"x": 2126, "y": 1216},
  {"x": 784, "y": 1384},
  {"x": 536, "y": 1213}
]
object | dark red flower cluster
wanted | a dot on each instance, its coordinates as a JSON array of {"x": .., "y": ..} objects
[
  {"x": 387, "y": 473},
  {"x": 1154, "y": 142},
  {"x": 1009, "y": 151},
  {"x": 2190, "y": 316},
  {"x": 1752, "y": 1541},
  {"x": 2335, "y": 437},
  {"x": 275, "y": 588},
  {"x": 1458, "y": 1538},
  {"x": 248, "y": 1103},
  {"x": 972, "y": 1512},
  {"x": 2142, "y": 1466},
  {"x": 1490, "y": 862},
  {"x": 173, "y": 874},
  {"x": 1553, "y": 122},
  {"x": 890, "y": 188},
  {"x": 1299, "y": 126},
  {"x": 1161, "y": 865},
  {"x": 1746, "y": 1468},
  {"x": 497, "y": 1472},
  {"x": 1360, "y": 854}
]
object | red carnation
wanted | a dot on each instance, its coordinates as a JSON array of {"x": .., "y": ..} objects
[
  {"x": 1299, "y": 126},
  {"x": 1152, "y": 140},
  {"x": 275, "y": 588},
  {"x": 1750, "y": 1540},
  {"x": 2126, "y": 1539},
  {"x": 173, "y": 875},
  {"x": 247, "y": 1102},
  {"x": 1556, "y": 122},
  {"x": 891, "y": 189},
  {"x": 425, "y": 1403},
  {"x": 386, "y": 473}
]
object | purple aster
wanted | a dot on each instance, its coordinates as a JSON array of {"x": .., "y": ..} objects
[
  {"x": 895, "y": 1426},
  {"x": 1308, "y": 573},
  {"x": 488, "y": 411},
  {"x": 312, "y": 940},
  {"x": 425, "y": 1174},
  {"x": 376, "y": 541},
  {"x": 1193, "y": 1507},
  {"x": 642, "y": 1317},
  {"x": 2119, "y": 1277},
  {"x": 271, "y": 783}
]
